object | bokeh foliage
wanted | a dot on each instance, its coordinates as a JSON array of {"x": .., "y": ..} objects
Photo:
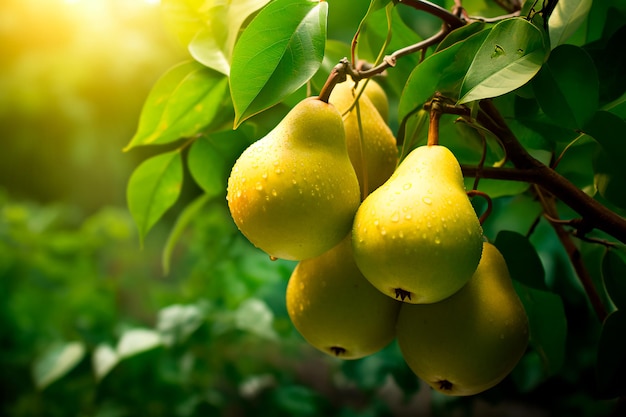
[{"x": 194, "y": 322}]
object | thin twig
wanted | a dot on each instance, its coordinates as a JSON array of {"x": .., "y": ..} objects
[{"x": 549, "y": 205}]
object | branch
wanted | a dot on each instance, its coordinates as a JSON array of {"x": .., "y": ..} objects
[
  {"x": 533, "y": 171},
  {"x": 448, "y": 18},
  {"x": 549, "y": 206}
]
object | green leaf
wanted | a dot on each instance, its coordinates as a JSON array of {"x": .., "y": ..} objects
[
  {"x": 211, "y": 157},
  {"x": 522, "y": 259},
  {"x": 611, "y": 357},
  {"x": 213, "y": 44},
  {"x": 177, "y": 322},
  {"x": 185, "y": 100},
  {"x": 279, "y": 51},
  {"x": 567, "y": 16},
  {"x": 508, "y": 58},
  {"x": 56, "y": 362},
  {"x": 548, "y": 325},
  {"x": 136, "y": 341},
  {"x": 104, "y": 360},
  {"x": 183, "y": 220},
  {"x": 153, "y": 188},
  {"x": 568, "y": 94},
  {"x": 460, "y": 34},
  {"x": 614, "y": 278},
  {"x": 441, "y": 72}
]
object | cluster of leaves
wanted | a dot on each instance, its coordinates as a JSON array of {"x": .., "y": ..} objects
[{"x": 556, "y": 82}]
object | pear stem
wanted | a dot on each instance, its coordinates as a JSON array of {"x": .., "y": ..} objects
[{"x": 436, "y": 110}]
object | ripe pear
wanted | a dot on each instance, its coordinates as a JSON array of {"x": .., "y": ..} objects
[
  {"x": 336, "y": 309},
  {"x": 417, "y": 237},
  {"x": 294, "y": 192},
  {"x": 372, "y": 147},
  {"x": 470, "y": 341},
  {"x": 378, "y": 97}
]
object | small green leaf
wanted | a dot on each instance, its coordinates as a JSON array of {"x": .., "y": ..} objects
[
  {"x": 211, "y": 157},
  {"x": 56, "y": 362},
  {"x": 185, "y": 100},
  {"x": 522, "y": 259},
  {"x": 279, "y": 51},
  {"x": 614, "y": 277},
  {"x": 153, "y": 188},
  {"x": 568, "y": 94},
  {"x": 183, "y": 220},
  {"x": 441, "y": 72},
  {"x": 177, "y": 322},
  {"x": 509, "y": 57},
  {"x": 213, "y": 44},
  {"x": 548, "y": 325},
  {"x": 611, "y": 362},
  {"x": 460, "y": 34},
  {"x": 566, "y": 17},
  {"x": 136, "y": 341},
  {"x": 104, "y": 360}
]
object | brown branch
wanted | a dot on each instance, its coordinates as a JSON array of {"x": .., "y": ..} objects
[
  {"x": 549, "y": 206},
  {"x": 595, "y": 214},
  {"x": 390, "y": 60},
  {"x": 448, "y": 18}
]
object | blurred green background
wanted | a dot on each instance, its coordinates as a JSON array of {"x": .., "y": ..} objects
[{"x": 90, "y": 325}]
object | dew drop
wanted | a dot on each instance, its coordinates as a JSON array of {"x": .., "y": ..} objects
[
  {"x": 376, "y": 223},
  {"x": 383, "y": 232},
  {"x": 259, "y": 186},
  {"x": 395, "y": 217},
  {"x": 437, "y": 240},
  {"x": 294, "y": 182},
  {"x": 427, "y": 200},
  {"x": 274, "y": 193},
  {"x": 407, "y": 186},
  {"x": 408, "y": 216}
]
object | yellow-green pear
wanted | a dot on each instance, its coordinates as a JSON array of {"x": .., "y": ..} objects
[
  {"x": 294, "y": 192},
  {"x": 378, "y": 97},
  {"x": 417, "y": 237},
  {"x": 372, "y": 146},
  {"x": 336, "y": 309},
  {"x": 470, "y": 341}
]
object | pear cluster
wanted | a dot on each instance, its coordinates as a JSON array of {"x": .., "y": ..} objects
[{"x": 386, "y": 250}]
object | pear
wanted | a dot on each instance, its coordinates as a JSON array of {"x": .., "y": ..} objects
[
  {"x": 470, "y": 341},
  {"x": 417, "y": 237},
  {"x": 294, "y": 192},
  {"x": 375, "y": 154},
  {"x": 336, "y": 309},
  {"x": 378, "y": 97}
]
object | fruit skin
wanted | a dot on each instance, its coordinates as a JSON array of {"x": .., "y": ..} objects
[
  {"x": 336, "y": 309},
  {"x": 293, "y": 193},
  {"x": 380, "y": 151},
  {"x": 417, "y": 237},
  {"x": 469, "y": 342},
  {"x": 378, "y": 97}
]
